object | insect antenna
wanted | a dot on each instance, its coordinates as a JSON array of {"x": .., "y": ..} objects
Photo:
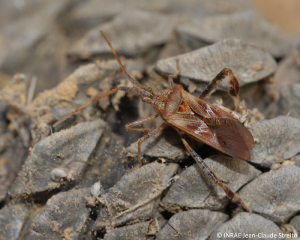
[
  {"x": 137, "y": 90},
  {"x": 135, "y": 82}
]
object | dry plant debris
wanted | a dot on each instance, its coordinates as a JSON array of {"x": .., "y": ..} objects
[
  {"x": 245, "y": 25},
  {"x": 12, "y": 219},
  {"x": 131, "y": 42},
  {"x": 72, "y": 181},
  {"x": 64, "y": 216},
  {"x": 44, "y": 171},
  {"x": 204, "y": 64},
  {"x": 278, "y": 140},
  {"x": 143, "y": 230},
  {"x": 289, "y": 101},
  {"x": 274, "y": 194},
  {"x": 245, "y": 223},
  {"x": 135, "y": 197},
  {"x": 295, "y": 222},
  {"x": 186, "y": 225},
  {"x": 193, "y": 189}
]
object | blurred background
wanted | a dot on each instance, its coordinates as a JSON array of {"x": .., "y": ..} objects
[{"x": 49, "y": 39}]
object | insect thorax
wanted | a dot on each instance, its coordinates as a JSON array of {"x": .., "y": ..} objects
[{"x": 168, "y": 101}]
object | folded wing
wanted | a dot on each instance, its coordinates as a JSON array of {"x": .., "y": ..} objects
[
  {"x": 194, "y": 127},
  {"x": 232, "y": 136},
  {"x": 224, "y": 134}
]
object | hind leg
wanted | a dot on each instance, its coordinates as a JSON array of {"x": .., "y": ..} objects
[{"x": 233, "y": 88}]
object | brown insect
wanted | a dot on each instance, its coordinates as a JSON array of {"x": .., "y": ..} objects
[{"x": 190, "y": 116}]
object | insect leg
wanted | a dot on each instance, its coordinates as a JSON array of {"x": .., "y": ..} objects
[
  {"x": 143, "y": 139},
  {"x": 233, "y": 88},
  {"x": 129, "y": 126},
  {"x": 88, "y": 103},
  {"x": 211, "y": 174},
  {"x": 172, "y": 76}
]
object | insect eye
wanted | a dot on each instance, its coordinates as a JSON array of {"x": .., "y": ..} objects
[{"x": 144, "y": 99}]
